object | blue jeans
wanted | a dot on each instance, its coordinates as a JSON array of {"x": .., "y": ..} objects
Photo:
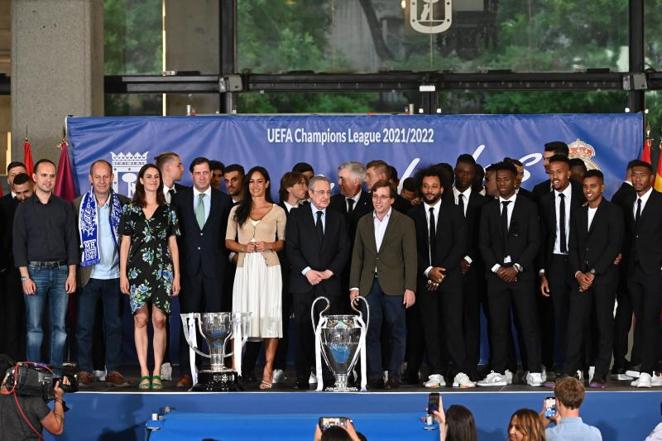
[
  {"x": 50, "y": 288},
  {"x": 109, "y": 291}
]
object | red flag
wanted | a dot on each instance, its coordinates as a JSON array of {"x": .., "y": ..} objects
[
  {"x": 658, "y": 175},
  {"x": 27, "y": 156},
  {"x": 64, "y": 182}
]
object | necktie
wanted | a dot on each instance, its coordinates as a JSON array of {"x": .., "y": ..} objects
[
  {"x": 432, "y": 234},
  {"x": 563, "y": 241},
  {"x": 638, "y": 213},
  {"x": 171, "y": 193},
  {"x": 504, "y": 225},
  {"x": 318, "y": 224},
  {"x": 200, "y": 210},
  {"x": 460, "y": 203},
  {"x": 350, "y": 205}
]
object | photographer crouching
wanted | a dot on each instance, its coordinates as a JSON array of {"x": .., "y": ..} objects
[{"x": 25, "y": 391}]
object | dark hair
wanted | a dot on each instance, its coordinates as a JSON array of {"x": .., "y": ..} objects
[
  {"x": 197, "y": 161},
  {"x": 289, "y": 179},
  {"x": 461, "y": 424},
  {"x": 216, "y": 165},
  {"x": 515, "y": 162},
  {"x": 503, "y": 165},
  {"x": 492, "y": 168},
  {"x": 465, "y": 158},
  {"x": 381, "y": 166},
  {"x": 139, "y": 195},
  {"x": 336, "y": 433},
  {"x": 163, "y": 158},
  {"x": 595, "y": 174},
  {"x": 302, "y": 167},
  {"x": 447, "y": 173},
  {"x": 478, "y": 178},
  {"x": 578, "y": 162},
  {"x": 21, "y": 179},
  {"x": 632, "y": 163},
  {"x": 558, "y": 147},
  {"x": 235, "y": 168},
  {"x": 570, "y": 392},
  {"x": 246, "y": 203},
  {"x": 394, "y": 174},
  {"x": 560, "y": 158},
  {"x": 6, "y": 363},
  {"x": 431, "y": 171},
  {"x": 409, "y": 184},
  {"x": 15, "y": 164},
  {"x": 101, "y": 161},
  {"x": 383, "y": 183},
  {"x": 42, "y": 161},
  {"x": 640, "y": 163}
]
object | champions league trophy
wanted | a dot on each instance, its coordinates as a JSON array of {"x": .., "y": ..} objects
[
  {"x": 340, "y": 339},
  {"x": 216, "y": 328}
]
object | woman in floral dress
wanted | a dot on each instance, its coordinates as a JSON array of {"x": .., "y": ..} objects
[{"x": 149, "y": 266}]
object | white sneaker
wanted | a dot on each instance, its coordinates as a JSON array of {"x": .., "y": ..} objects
[
  {"x": 534, "y": 379},
  {"x": 493, "y": 379},
  {"x": 462, "y": 380},
  {"x": 580, "y": 375},
  {"x": 509, "y": 376},
  {"x": 435, "y": 380},
  {"x": 632, "y": 374},
  {"x": 166, "y": 372},
  {"x": 656, "y": 379},
  {"x": 544, "y": 374},
  {"x": 591, "y": 373},
  {"x": 279, "y": 376},
  {"x": 644, "y": 380},
  {"x": 100, "y": 375},
  {"x": 312, "y": 379}
]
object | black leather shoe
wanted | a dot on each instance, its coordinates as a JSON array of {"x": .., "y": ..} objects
[
  {"x": 302, "y": 385},
  {"x": 392, "y": 383},
  {"x": 376, "y": 384}
]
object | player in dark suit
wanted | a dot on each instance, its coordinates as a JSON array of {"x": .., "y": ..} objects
[
  {"x": 551, "y": 149},
  {"x": 596, "y": 236}
]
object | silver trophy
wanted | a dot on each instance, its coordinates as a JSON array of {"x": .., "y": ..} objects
[
  {"x": 340, "y": 339},
  {"x": 216, "y": 328}
]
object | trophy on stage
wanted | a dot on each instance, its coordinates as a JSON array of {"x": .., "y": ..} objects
[
  {"x": 340, "y": 339},
  {"x": 216, "y": 328}
]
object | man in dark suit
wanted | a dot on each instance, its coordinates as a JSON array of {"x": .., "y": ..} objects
[
  {"x": 441, "y": 237},
  {"x": 172, "y": 169},
  {"x": 317, "y": 251},
  {"x": 202, "y": 212},
  {"x": 379, "y": 170},
  {"x": 383, "y": 270},
  {"x": 557, "y": 210},
  {"x": 509, "y": 242},
  {"x": 12, "y": 315},
  {"x": 470, "y": 204},
  {"x": 596, "y": 235},
  {"x": 520, "y": 177},
  {"x": 644, "y": 260},
  {"x": 551, "y": 149}
]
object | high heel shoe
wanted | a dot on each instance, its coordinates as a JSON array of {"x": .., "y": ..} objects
[{"x": 267, "y": 379}]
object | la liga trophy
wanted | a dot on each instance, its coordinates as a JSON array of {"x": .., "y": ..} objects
[{"x": 217, "y": 328}]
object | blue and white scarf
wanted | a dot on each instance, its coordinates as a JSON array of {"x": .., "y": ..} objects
[{"x": 88, "y": 225}]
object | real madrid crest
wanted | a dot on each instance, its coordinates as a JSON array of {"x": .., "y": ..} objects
[
  {"x": 430, "y": 16},
  {"x": 585, "y": 152}
]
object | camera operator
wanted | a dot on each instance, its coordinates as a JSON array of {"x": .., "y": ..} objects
[{"x": 25, "y": 417}]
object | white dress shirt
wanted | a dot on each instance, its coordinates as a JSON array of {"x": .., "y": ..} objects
[
  {"x": 644, "y": 199},
  {"x": 206, "y": 200},
  {"x": 591, "y": 215},
  {"x": 166, "y": 192},
  {"x": 356, "y": 198},
  {"x": 380, "y": 227},
  {"x": 509, "y": 215},
  {"x": 466, "y": 194},
  {"x": 557, "y": 205}
]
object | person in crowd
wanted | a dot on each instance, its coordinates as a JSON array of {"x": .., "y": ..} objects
[
  {"x": 479, "y": 178},
  {"x": 644, "y": 260},
  {"x": 305, "y": 169},
  {"x": 149, "y": 267},
  {"x": 14, "y": 169},
  {"x": 566, "y": 424},
  {"x": 457, "y": 423},
  {"x": 509, "y": 242},
  {"x": 256, "y": 231},
  {"x": 409, "y": 191},
  {"x": 234, "y": 182},
  {"x": 490, "y": 182},
  {"x": 317, "y": 252},
  {"x": 45, "y": 250},
  {"x": 217, "y": 170},
  {"x": 557, "y": 211},
  {"x": 379, "y": 170},
  {"x": 470, "y": 203},
  {"x": 395, "y": 179},
  {"x": 346, "y": 432},
  {"x": 172, "y": 169},
  {"x": 202, "y": 212},
  {"x": 26, "y": 417},
  {"x": 99, "y": 213},
  {"x": 577, "y": 170},
  {"x": 520, "y": 177},
  {"x": 596, "y": 236},
  {"x": 12, "y": 314},
  {"x": 526, "y": 425},
  {"x": 383, "y": 270},
  {"x": 352, "y": 201},
  {"x": 293, "y": 192},
  {"x": 551, "y": 149}
]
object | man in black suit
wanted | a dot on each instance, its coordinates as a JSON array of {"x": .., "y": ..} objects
[
  {"x": 509, "y": 242},
  {"x": 441, "y": 238},
  {"x": 317, "y": 251},
  {"x": 596, "y": 236},
  {"x": 551, "y": 149},
  {"x": 470, "y": 204},
  {"x": 202, "y": 212},
  {"x": 379, "y": 170},
  {"x": 520, "y": 177},
  {"x": 557, "y": 210},
  {"x": 172, "y": 169},
  {"x": 644, "y": 260},
  {"x": 12, "y": 315}
]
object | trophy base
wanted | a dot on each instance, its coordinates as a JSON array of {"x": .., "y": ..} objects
[
  {"x": 341, "y": 389},
  {"x": 210, "y": 381}
]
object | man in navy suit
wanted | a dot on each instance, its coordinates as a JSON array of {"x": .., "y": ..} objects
[{"x": 202, "y": 212}]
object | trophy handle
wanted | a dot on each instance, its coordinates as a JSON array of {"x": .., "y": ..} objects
[
  {"x": 312, "y": 309},
  {"x": 318, "y": 343},
  {"x": 360, "y": 313},
  {"x": 191, "y": 344},
  {"x": 362, "y": 343}
]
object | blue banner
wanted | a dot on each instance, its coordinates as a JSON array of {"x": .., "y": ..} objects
[{"x": 604, "y": 141}]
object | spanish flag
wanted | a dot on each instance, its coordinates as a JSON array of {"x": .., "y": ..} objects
[
  {"x": 658, "y": 174},
  {"x": 646, "y": 152}
]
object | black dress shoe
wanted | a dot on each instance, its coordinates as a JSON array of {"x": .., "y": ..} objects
[
  {"x": 376, "y": 384},
  {"x": 302, "y": 385},
  {"x": 392, "y": 383}
]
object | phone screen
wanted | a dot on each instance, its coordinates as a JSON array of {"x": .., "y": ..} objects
[
  {"x": 550, "y": 407},
  {"x": 326, "y": 422},
  {"x": 433, "y": 402}
]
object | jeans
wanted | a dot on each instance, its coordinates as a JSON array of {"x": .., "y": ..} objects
[
  {"x": 50, "y": 288},
  {"x": 109, "y": 291}
]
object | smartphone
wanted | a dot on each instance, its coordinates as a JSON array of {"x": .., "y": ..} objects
[
  {"x": 433, "y": 402},
  {"x": 550, "y": 407},
  {"x": 326, "y": 422}
]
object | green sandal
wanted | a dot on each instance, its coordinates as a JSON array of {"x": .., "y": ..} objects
[
  {"x": 156, "y": 386},
  {"x": 145, "y": 382}
]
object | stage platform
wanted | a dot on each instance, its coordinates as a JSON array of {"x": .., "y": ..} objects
[{"x": 626, "y": 415}]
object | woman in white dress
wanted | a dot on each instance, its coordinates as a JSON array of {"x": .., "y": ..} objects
[{"x": 256, "y": 232}]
